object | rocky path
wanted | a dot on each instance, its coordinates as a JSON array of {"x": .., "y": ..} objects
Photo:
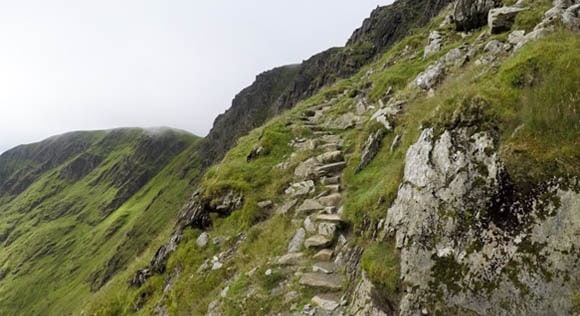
[{"x": 317, "y": 210}]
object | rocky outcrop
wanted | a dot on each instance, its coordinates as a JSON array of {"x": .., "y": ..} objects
[
  {"x": 470, "y": 243},
  {"x": 371, "y": 148},
  {"x": 502, "y": 19},
  {"x": 472, "y": 14}
]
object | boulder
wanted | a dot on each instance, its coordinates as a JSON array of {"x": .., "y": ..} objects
[
  {"x": 323, "y": 255},
  {"x": 331, "y": 200},
  {"x": 330, "y": 157},
  {"x": 286, "y": 207},
  {"x": 265, "y": 204},
  {"x": 300, "y": 188},
  {"x": 321, "y": 280},
  {"x": 202, "y": 240},
  {"x": 502, "y": 19},
  {"x": 306, "y": 169},
  {"x": 310, "y": 205},
  {"x": 571, "y": 17},
  {"x": 472, "y": 14},
  {"x": 291, "y": 259},
  {"x": 431, "y": 76},
  {"x": 296, "y": 242},
  {"x": 330, "y": 218},
  {"x": 328, "y": 302},
  {"x": 324, "y": 267},
  {"x": 327, "y": 229},
  {"x": 330, "y": 180},
  {"x": 516, "y": 37},
  {"x": 330, "y": 168},
  {"x": 457, "y": 57},
  {"x": 317, "y": 241},
  {"x": 435, "y": 44},
  {"x": 309, "y": 225}
]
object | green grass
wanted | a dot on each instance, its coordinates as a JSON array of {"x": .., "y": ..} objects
[{"x": 62, "y": 244}]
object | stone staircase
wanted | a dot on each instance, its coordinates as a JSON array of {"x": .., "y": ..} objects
[{"x": 316, "y": 242}]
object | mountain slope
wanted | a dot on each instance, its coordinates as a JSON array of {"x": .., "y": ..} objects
[
  {"x": 442, "y": 178},
  {"x": 281, "y": 88},
  {"x": 77, "y": 208}
]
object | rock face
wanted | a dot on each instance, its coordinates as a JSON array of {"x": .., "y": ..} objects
[
  {"x": 371, "y": 149},
  {"x": 462, "y": 231},
  {"x": 472, "y": 14},
  {"x": 502, "y": 19}
]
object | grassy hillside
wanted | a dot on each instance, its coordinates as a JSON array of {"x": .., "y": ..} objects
[
  {"x": 530, "y": 98},
  {"x": 77, "y": 208}
]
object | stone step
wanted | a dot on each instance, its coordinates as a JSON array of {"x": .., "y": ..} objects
[
  {"x": 317, "y": 241},
  {"x": 331, "y": 282},
  {"x": 324, "y": 267},
  {"x": 321, "y": 133},
  {"x": 330, "y": 180},
  {"x": 335, "y": 218},
  {"x": 324, "y": 255},
  {"x": 330, "y": 168},
  {"x": 333, "y": 199},
  {"x": 309, "y": 206},
  {"x": 328, "y": 229},
  {"x": 330, "y": 147},
  {"x": 333, "y": 188},
  {"x": 330, "y": 157},
  {"x": 291, "y": 259},
  {"x": 327, "y": 301}
]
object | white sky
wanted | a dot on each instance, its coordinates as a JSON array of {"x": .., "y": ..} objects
[{"x": 81, "y": 65}]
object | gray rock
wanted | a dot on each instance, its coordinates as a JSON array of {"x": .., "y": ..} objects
[
  {"x": 323, "y": 255},
  {"x": 317, "y": 241},
  {"x": 345, "y": 121},
  {"x": 493, "y": 47},
  {"x": 431, "y": 76},
  {"x": 472, "y": 14},
  {"x": 330, "y": 180},
  {"x": 286, "y": 207},
  {"x": 502, "y": 19},
  {"x": 330, "y": 168},
  {"x": 202, "y": 240},
  {"x": 291, "y": 259},
  {"x": 335, "y": 218},
  {"x": 328, "y": 302},
  {"x": 300, "y": 188},
  {"x": 332, "y": 139},
  {"x": 363, "y": 302},
  {"x": 435, "y": 44},
  {"x": 516, "y": 37},
  {"x": 309, "y": 225},
  {"x": 296, "y": 243},
  {"x": 265, "y": 204},
  {"x": 324, "y": 267},
  {"x": 330, "y": 157},
  {"x": 309, "y": 206},
  {"x": 571, "y": 17},
  {"x": 457, "y": 57},
  {"x": 306, "y": 169},
  {"x": 371, "y": 149},
  {"x": 321, "y": 280},
  {"x": 331, "y": 200},
  {"x": 327, "y": 229}
]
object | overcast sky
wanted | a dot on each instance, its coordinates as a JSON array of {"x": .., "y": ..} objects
[{"x": 80, "y": 64}]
